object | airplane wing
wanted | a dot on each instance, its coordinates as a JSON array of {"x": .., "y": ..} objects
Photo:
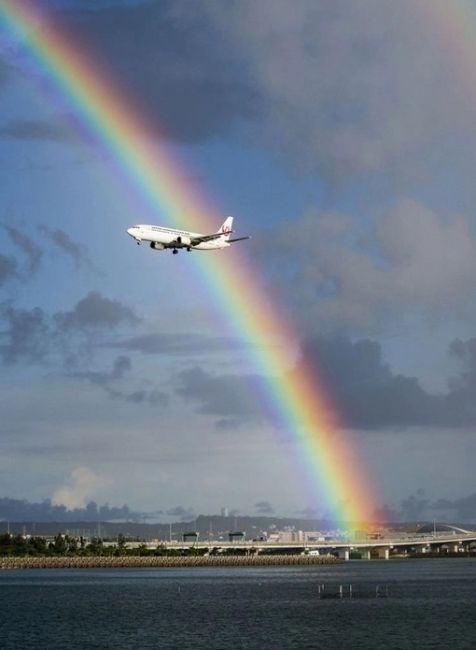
[{"x": 203, "y": 238}]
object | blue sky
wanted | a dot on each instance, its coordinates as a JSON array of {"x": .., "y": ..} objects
[{"x": 335, "y": 136}]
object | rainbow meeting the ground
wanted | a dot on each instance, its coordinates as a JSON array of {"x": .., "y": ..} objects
[{"x": 297, "y": 399}]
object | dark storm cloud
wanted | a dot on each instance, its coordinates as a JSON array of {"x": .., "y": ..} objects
[
  {"x": 462, "y": 509},
  {"x": 418, "y": 507},
  {"x": 24, "y": 335},
  {"x": 174, "y": 62},
  {"x": 465, "y": 353},
  {"x": 232, "y": 397},
  {"x": 351, "y": 87},
  {"x": 462, "y": 388},
  {"x": 27, "y": 246},
  {"x": 337, "y": 87},
  {"x": 95, "y": 311},
  {"x": 36, "y": 130},
  {"x": 8, "y": 268},
  {"x": 177, "y": 344},
  {"x": 63, "y": 242},
  {"x": 415, "y": 507},
  {"x": 362, "y": 386},
  {"x": 369, "y": 395}
]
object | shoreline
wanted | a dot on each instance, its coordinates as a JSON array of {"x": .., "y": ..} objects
[{"x": 132, "y": 562}]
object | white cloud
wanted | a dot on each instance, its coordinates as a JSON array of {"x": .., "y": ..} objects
[{"x": 79, "y": 489}]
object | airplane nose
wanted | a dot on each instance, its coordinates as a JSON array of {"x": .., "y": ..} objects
[{"x": 130, "y": 232}]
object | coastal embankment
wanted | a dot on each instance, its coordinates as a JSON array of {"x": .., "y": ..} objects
[{"x": 91, "y": 562}]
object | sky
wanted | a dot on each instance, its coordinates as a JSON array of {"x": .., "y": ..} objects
[{"x": 341, "y": 136}]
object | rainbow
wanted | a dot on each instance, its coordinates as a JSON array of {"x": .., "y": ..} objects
[{"x": 297, "y": 400}]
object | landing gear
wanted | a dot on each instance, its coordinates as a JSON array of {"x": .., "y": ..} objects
[
  {"x": 188, "y": 249},
  {"x": 138, "y": 242},
  {"x": 175, "y": 251}
]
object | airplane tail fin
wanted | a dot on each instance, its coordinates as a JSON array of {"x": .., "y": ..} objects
[{"x": 226, "y": 228}]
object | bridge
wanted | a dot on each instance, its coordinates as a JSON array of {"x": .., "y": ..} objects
[{"x": 382, "y": 546}]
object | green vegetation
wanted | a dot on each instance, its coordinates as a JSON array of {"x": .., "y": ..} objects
[{"x": 67, "y": 546}]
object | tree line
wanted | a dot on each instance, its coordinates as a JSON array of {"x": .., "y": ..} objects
[{"x": 66, "y": 545}]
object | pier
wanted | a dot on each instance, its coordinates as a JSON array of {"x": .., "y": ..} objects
[{"x": 162, "y": 561}]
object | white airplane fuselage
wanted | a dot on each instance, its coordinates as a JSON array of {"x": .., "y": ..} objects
[{"x": 161, "y": 238}]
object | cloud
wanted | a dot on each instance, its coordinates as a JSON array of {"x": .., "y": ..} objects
[
  {"x": 95, "y": 311},
  {"x": 3, "y": 72},
  {"x": 26, "y": 336},
  {"x": 350, "y": 88},
  {"x": 415, "y": 507},
  {"x": 409, "y": 262},
  {"x": 264, "y": 508},
  {"x": 77, "y": 252},
  {"x": 462, "y": 388},
  {"x": 231, "y": 396},
  {"x": 335, "y": 88},
  {"x": 180, "y": 70},
  {"x": 462, "y": 509},
  {"x": 418, "y": 507},
  {"x": 364, "y": 389},
  {"x": 153, "y": 397},
  {"x": 369, "y": 395},
  {"x": 32, "y": 336},
  {"x": 121, "y": 366},
  {"x": 37, "y": 130},
  {"x": 108, "y": 380},
  {"x": 8, "y": 268},
  {"x": 184, "y": 514},
  {"x": 81, "y": 486},
  {"x": 26, "y": 245},
  {"x": 177, "y": 344},
  {"x": 23, "y": 510}
]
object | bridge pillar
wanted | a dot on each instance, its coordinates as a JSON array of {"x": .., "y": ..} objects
[
  {"x": 366, "y": 554},
  {"x": 455, "y": 548},
  {"x": 343, "y": 553},
  {"x": 383, "y": 552}
]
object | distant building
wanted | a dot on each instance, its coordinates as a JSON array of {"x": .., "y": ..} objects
[
  {"x": 295, "y": 536},
  {"x": 225, "y": 512}
]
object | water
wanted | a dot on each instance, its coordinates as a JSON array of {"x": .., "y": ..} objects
[{"x": 430, "y": 604}]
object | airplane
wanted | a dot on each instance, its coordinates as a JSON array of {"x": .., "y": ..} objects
[{"x": 161, "y": 237}]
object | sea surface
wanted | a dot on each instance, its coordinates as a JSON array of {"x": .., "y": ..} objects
[{"x": 429, "y": 603}]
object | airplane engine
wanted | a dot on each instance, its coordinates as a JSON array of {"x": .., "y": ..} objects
[
  {"x": 183, "y": 242},
  {"x": 157, "y": 246}
]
